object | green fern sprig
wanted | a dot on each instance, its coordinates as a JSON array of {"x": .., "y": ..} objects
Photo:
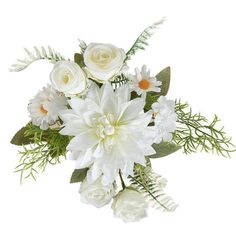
[
  {"x": 119, "y": 81},
  {"x": 141, "y": 41},
  {"x": 82, "y": 46},
  {"x": 151, "y": 186},
  {"x": 194, "y": 133},
  {"x": 36, "y": 54},
  {"x": 47, "y": 147}
]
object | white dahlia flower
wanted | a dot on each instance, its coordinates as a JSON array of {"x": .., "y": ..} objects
[
  {"x": 165, "y": 119},
  {"x": 45, "y": 106},
  {"x": 111, "y": 132},
  {"x": 142, "y": 82}
]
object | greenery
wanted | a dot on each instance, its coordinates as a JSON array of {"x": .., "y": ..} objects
[
  {"x": 78, "y": 175},
  {"x": 119, "y": 81},
  {"x": 151, "y": 186},
  {"x": 141, "y": 41},
  {"x": 164, "y": 149},
  {"x": 35, "y": 55},
  {"x": 79, "y": 59},
  {"x": 194, "y": 132},
  {"x": 20, "y": 139},
  {"x": 82, "y": 46},
  {"x": 164, "y": 77},
  {"x": 46, "y": 147}
]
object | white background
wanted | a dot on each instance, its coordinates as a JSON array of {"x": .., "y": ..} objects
[{"x": 197, "y": 41}]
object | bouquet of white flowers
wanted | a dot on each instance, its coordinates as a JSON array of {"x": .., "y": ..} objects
[{"x": 113, "y": 123}]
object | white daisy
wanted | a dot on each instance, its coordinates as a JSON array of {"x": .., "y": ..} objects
[
  {"x": 165, "y": 119},
  {"x": 142, "y": 82},
  {"x": 111, "y": 132},
  {"x": 45, "y": 106}
]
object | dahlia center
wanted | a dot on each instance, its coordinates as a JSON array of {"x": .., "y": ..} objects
[
  {"x": 104, "y": 126},
  {"x": 144, "y": 84}
]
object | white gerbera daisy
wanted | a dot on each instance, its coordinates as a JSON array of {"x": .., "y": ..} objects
[
  {"x": 111, "y": 132},
  {"x": 45, "y": 106},
  {"x": 142, "y": 82},
  {"x": 165, "y": 119}
]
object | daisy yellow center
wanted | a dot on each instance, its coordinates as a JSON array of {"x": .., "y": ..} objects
[
  {"x": 43, "y": 110},
  {"x": 66, "y": 79},
  {"x": 144, "y": 84}
]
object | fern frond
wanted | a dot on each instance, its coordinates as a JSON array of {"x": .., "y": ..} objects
[
  {"x": 47, "y": 147},
  {"x": 141, "y": 41},
  {"x": 119, "y": 81},
  {"x": 82, "y": 46},
  {"x": 34, "y": 55},
  {"x": 194, "y": 132},
  {"x": 151, "y": 186}
]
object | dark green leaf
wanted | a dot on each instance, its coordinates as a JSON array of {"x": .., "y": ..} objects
[
  {"x": 78, "y": 175},
  {"x": 79, "y": 59},
  {"x": 164, "y": 77},
  {"x": 164, "y": 149},
  {"x": 20, "y": 138}
]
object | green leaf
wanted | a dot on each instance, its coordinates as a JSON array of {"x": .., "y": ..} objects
[
  {"x": 164, "y": 77},
  {"x": 164, "y": 149},
  {"x": 79, "y": 59},
  {"x": 78, "y": 175},
  {"x": 20, "y": 137}
]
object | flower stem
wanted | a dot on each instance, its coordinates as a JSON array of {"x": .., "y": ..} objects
[{"x": 122, "y": 181}]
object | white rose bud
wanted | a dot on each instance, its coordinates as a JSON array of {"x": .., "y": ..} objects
[
  {"x": 130, "y": 205},
  {"x": 95, "y": 193},
  {"x": 69, "y": 78},
  {"x": 103, "y": 61}
]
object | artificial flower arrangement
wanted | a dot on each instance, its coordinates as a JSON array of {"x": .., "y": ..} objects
[{"x": 114, "y": 124}]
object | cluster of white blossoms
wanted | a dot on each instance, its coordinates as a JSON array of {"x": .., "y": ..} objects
[
  {"x": 110, "y": 130},
  {"x": 44, "y": 108},
  {"x": 165, "y": 119},
  {"x": 112, "y": 123}
]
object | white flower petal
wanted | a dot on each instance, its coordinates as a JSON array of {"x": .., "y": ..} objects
[
  {"x": 134, "y": 108},
  {"x": 84, "y": 159},
  {"x": 83, "y": 141},
  {"x": 77, "y": 104}
]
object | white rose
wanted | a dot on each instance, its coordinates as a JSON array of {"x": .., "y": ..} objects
[
  {"x": 69, "y": 78},
  {"x": 130, "y": 205},
  {"x": 103, "y": 61},
  {"x": 95, "y": 193}
]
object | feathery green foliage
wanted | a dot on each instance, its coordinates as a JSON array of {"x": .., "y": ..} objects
[
  {"x": 46, "y": 148},
  {"x": 151, "y": 186},
  {"x": 82, "y": 46},
  {"x": 119, "y": 81},
  {"x": 35, "y": 55},
  {"x": 194, "y": 133},
  {"x": 141, "y": 41}
]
